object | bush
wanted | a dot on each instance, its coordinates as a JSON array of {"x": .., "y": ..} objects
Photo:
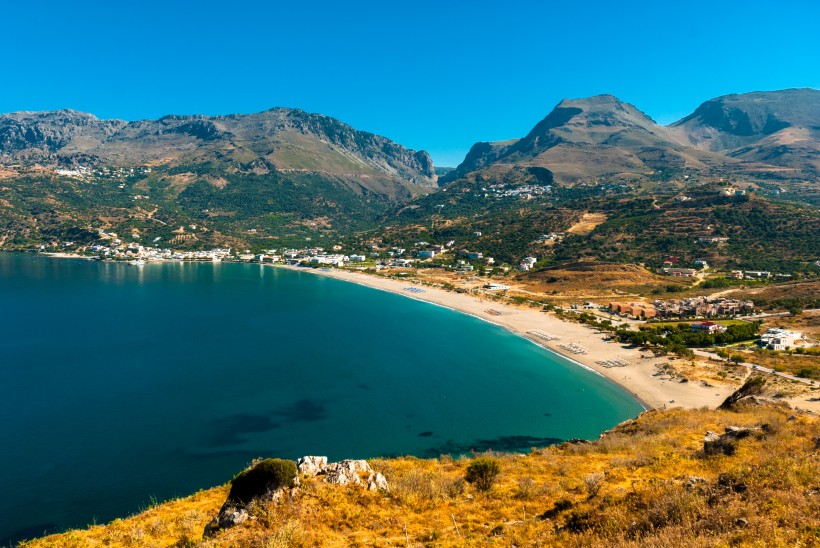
[
  {"x": 263, "y": 477},
  {"x": 483, "y": 472},
  {"x": 593, "y": 483},
  {"x": 752, "y": 387}
]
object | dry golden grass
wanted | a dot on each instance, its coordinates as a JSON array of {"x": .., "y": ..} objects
[
  {"x": 587, "y": 224},
  {"x": 807, "y": 323},
  {"x": 590, "y": 280},
  {"x": 175, "y": 522},
  {"x": 646, "y": 483},
  {"x": 803, "y": 365}
]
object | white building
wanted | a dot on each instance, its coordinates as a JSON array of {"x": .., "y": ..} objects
[
  {"x": 496, "y": 287},
  {"x": 335, "y": 260},
  {"x": 779, "y": 339}
]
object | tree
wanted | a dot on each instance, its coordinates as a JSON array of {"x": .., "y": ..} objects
[
  {"x": 752, "y": 387},
  {"x": 483, "y": 472}
]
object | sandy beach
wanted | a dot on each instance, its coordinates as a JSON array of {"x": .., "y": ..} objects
[
  {"x": 636, "y": 372},
  {"x": 638, "y": 376}
]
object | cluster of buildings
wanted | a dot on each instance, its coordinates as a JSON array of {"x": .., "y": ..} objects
[
  {"x": 695, "y": 306},
  {"x": 702, "y": 264},
  {"x": 633, "y": 310},
  {"x": 680, "y": 272},
  {"x": 526, "y": 192},
  {"x": 669, "y": 268},
  {"x": 757, "y": 275},
  {"x": 133, "y": 251},
  {"x": 702, "y": 306},
  {"x": 115, "y": 249},
  {"x": 310, "y": 255},
  {"x": 551, "y": 237},
  {"x": 84, "y": 172}
]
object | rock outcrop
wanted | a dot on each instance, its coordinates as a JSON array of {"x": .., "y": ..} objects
[
  {"x": 269, "y": 480},
  {"x": 726, "y": 443},
  {"x": 311, "y": 466},
  {"x": 346, "y": 472}
]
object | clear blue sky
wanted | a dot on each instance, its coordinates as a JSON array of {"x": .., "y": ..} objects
[{"x": 428, "y": 75}]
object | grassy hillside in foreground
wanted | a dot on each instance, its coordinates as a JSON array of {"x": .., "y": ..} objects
[{"x": 647, "y": 482}]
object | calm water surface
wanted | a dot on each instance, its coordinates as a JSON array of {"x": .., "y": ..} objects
[{"x": 122, "y": 383}]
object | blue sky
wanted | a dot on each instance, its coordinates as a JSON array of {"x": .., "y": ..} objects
[{"x": 430, "y": 76}]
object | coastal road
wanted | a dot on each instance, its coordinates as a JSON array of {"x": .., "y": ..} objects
[{"x": 756, "y": 367}]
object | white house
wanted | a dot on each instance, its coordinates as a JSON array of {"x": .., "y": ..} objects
[
  {"x": 779, "y": 339},
  {"x": 496, "y": 287}
]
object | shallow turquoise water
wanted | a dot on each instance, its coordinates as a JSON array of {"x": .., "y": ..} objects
[{"x": 122, "y": 383}]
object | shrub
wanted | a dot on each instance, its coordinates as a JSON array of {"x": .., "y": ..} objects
[
  {"x": 483, "y": 472},
  {"x": 526, "y": 488},
  {"x": 263, "y": 477},
  {"x": 593, "y": 483},
  {"x": 752, "y": 387}
]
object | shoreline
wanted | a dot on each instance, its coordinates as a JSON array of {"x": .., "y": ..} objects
[
  {"x": 64, "y": 255},
  {"x": 638, "y": 377}
]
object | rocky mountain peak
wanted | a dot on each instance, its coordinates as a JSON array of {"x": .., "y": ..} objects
[{"x": 731, "y": 121}]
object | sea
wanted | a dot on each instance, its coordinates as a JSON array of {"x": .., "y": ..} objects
[{"x": 124, "y": 385}]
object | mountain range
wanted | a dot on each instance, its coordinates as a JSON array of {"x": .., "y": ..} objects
[
  {"x": 760, "y": 136},
  {"x": 284, "y": 175},
  {"x": 279, "y": 139}
]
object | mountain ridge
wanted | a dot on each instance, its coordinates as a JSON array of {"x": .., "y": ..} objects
[
  {"x": 602, "y": 136},
  {"x": 276, "y": 136},
  {"x": 237, "y": 178},
  {"x": 249, "y": 180},
  {"x": 777, "y": 127}
]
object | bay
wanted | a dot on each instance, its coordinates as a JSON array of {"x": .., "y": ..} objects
[{"x": 120, "y": 385}]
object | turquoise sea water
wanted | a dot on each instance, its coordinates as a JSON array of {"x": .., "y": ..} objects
[{"x": 121, "y": 383}]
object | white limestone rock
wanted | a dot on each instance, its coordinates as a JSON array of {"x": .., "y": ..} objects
[
  {"x": 311, "y": 466},
  {"x": 347, "y": 472},
  {"x": 377, "y": 482}
]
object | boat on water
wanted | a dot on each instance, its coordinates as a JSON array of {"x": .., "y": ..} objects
[{"x": 137, "y": 262}]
